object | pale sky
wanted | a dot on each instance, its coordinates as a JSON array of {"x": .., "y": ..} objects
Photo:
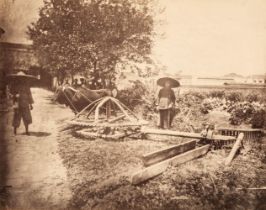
[
  {"x": 202, "y": 37},
  {"x": 214, "y": 37}
]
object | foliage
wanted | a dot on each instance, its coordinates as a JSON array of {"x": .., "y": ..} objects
[
  {"x": 209, "y": 104},
  {"x": 216, "y": 94},
  {"x": 247, "y": 112},
  {"x": 251, "y": 97},
  {"x": 92, "y": 37},
  {"x": 133, "y": 95},
  {"x": 234, "y": 96},
  {"x": 191, "y": 98},
  {"x": 241, "y": 112},
  {"x": 258, "y": 119}
]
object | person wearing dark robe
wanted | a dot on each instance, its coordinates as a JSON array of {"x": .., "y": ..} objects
[
  {"x": 22, "y": 99},
  {"x": 166, "y": 103}
]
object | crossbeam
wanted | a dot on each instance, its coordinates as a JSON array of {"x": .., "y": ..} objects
[{"x": 186, "y": 134}]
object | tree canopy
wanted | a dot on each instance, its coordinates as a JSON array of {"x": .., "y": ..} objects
[{"x": 92, "y": 37}]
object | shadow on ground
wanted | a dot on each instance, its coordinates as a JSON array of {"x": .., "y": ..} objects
[{"x": 39, "y": 134}]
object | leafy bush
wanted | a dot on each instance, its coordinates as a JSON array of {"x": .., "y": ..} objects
[
  {"x": 258, "y": 119},
  {"x": 209, "y": 104},
  {"x": 191, "y": 98},
  {"x": 132, "y": 96},
  {"x": 216, "y": 94},
  {"x": 246, "y": 112},
  {"x": 251, "y": 97},
  {"x": 234, "y": 96}
]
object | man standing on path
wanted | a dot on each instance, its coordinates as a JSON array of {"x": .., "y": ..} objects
[{"x": 22, "y": 99}]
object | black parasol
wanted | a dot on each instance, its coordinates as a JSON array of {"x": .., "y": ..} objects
[
  {"x": 174, "y": 83},
  {"x": 21, "y": 78}
]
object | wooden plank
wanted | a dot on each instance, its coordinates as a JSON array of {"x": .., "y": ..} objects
[
  {"x": 185, "y": 134},
  {"x": 160, "y": 155},
  {"x": 107, "y": 124},
  {"x": 95, "y": 135},
  {"x": 234, "y": 149},
  {"x": 159, "y": 168}
]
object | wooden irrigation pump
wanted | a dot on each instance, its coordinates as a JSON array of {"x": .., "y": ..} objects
[
  {"x": 91, "y": 115},
  {"x": 107, "y": 118}
]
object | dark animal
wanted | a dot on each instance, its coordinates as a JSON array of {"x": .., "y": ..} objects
[{"x": 77, "y": 99}]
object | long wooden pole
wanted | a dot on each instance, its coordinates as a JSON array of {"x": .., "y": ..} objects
[
  {"x": 234, "y": 149},
  {"x": 185, "y": 134}
]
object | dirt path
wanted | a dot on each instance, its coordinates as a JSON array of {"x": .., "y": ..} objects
[{"x": 36, "y": 173}]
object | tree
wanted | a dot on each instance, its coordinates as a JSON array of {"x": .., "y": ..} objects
[{"x": 92, "y": 37}]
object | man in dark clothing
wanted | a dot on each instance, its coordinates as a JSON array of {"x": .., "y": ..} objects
[
  {"x": 166, "y": 103},
  {"x": 23, "y": 101}
]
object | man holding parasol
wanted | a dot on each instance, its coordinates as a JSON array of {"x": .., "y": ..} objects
[
  {"x": 166, "y": 101},
  {"x": 20, "y": 84}
]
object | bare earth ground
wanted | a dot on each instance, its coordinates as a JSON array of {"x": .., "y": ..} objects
[
  {"x": 35, "y": 170},
  {"x": 53, "y": 169}
]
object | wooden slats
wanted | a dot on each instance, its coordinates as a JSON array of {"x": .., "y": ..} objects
[
  {"x": 159, "y": 168},
  {"x": 248, "y": 133},
  {"x": 160, "y": 155}
]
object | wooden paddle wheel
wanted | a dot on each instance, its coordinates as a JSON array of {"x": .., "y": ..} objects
[{"x": 107, "y": 118}]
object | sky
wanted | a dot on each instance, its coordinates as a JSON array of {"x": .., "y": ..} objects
[{"x": 201, "y": 37}]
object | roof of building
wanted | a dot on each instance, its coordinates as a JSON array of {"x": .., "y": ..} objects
[{"x": 215, "y": 78}]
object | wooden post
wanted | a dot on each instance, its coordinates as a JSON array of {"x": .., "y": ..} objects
[
  {"x": 108, "y": 109},
  {"x": 234, "y": 149}
]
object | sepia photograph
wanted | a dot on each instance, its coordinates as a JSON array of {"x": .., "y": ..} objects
[{"x": 132, "y": 105}]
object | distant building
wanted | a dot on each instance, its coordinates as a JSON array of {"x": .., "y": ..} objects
[
  {"x": 256, "y": 79},
  {"x": 185, "y": 79},
  {"x": 16, "y": 57},
  {"x": 216, "y": 81},
  {"x": 20, "y": 57}
]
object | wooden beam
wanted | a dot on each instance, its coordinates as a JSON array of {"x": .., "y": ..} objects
[
  {"x": 234, "y": 149},
  {"x": 159, "y": 168},
  {"x": 94, "y": 135},
  {"x": 117, "y": 118},
  {"x": 105, "y": 124},
  {"x": 160, "y": 155},
  {"x": 185, "y": 134}
]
